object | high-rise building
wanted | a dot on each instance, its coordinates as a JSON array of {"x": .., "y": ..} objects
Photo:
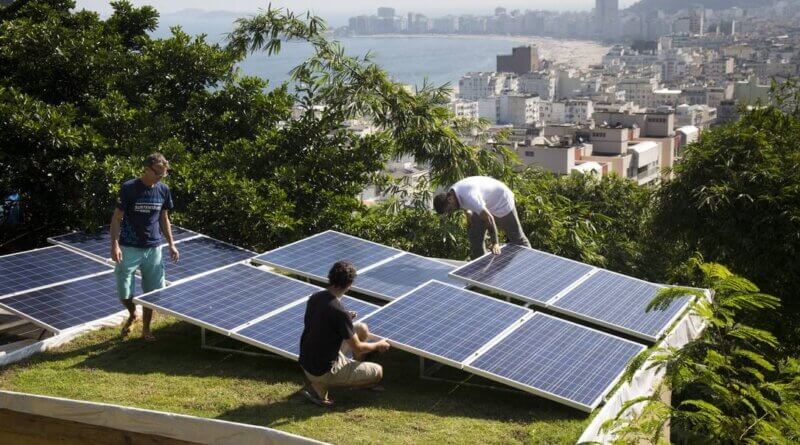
[
  {"x": 522, "y": 60},
  {"x": 697, "y": 20},
  {"x": 607, "y": 18},
  {"x": 386, "y": 13}
]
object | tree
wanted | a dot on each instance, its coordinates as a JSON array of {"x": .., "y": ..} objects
[
  {"x": 725, "y": 388},
  {"x": 736, "y": 200}
]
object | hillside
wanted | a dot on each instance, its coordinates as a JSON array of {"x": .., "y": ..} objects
[{"x": 677, "y": 5}]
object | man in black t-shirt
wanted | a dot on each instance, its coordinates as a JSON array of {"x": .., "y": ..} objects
[{"x": 328, "y": 334}]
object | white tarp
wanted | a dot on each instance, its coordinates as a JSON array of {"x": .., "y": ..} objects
[
  {"x": 643, "y": 383},
  {"x": 176, "y": 426}
]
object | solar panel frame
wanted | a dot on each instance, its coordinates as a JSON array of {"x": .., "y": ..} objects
[
  {"x": 358, "y": 284},
  {"x": 469, "y": 367},
  {"x": 274, "y": 317},
  {"x": 431, "y": 355},
  {"x": 91, "y": 259},
  {"x": 4, "y": 304},
  {"x": 314, "y": 276},
  {"x": 207, "y": 325},
  {"x": 511, "y": 294},
  {"x": 63, "y": 240},
  {"x": 616, "y": 326}
]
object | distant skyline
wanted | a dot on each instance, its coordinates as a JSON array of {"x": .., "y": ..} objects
[{"x": 336, "y": 13}]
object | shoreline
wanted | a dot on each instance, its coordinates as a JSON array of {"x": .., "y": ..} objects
[{"x": 572, "y": 52}]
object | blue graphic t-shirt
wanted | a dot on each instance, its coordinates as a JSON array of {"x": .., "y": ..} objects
[{"x": 142, "y": 206}]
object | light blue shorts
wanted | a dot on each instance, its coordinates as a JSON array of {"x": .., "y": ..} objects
[{"x": 148, "y": 260}]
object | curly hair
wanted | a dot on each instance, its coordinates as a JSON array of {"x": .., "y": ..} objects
[{"x": 342, "y": 274}]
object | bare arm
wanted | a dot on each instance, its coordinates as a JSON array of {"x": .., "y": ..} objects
[
  {"x": 166, "y": 229},
  {"x": 116, "y": 220},
  {"x": 490, "y": 224},
  {"x": 361, "y": 347}
]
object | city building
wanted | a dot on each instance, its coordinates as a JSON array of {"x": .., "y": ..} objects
[
  {"x": 522, "y": 60},
  {"x": 607, "y": 18},
  {"x": 474, "y": 86}
]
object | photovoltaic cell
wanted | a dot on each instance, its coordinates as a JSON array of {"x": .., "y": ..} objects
[
  {"x": 68, "y": 305},
  {"x": 99, "y": 243},
  {"x": 402, "y": 274},
  {"x": 200, "y": 255},
  {"x": 558, "y": 360},
  {"x": 619, "y": 302},
  {"x": 314, "y": 256},
  {"x": 24, "y": 271},
  {"x": 229, "y": 297},
  {"x": 523, "y": 273},
  {"x": 281, "y": 332},
  {"x": 444, "y": 320}
]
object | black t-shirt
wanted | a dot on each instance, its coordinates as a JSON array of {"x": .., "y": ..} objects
[{"x": 327, "y": 324}]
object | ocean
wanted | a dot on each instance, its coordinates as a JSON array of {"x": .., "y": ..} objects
[{"x": 409, "y": 60}]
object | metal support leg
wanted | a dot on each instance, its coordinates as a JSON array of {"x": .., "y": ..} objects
[
  {"x": 426, "y": 372},
  {"x": 204, "y": 345}
]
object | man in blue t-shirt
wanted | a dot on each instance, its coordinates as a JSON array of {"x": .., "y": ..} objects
[{"x": 139, "y": 220}]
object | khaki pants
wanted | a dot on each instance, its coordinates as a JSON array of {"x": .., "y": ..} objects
[
  {"x": 509, "y": 224},
  {"x": 347, "y": 372}
]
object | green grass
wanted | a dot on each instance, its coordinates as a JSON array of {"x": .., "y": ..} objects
[{"x": 176, "y": 375}]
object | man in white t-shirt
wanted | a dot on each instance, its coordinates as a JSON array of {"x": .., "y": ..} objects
[{"x": 489, "y": 204}]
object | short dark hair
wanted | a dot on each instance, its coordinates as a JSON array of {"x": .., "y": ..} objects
[
  {"x": 342, "y": 274},
  {"x": 440, "y": 203},
  {"x": 155, "y": 159}
]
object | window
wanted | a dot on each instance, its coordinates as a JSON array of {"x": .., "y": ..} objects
[{"x": 530, "y": 154}]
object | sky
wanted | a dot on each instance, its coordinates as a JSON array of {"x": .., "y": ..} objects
[{"x": 335, "y": 12}]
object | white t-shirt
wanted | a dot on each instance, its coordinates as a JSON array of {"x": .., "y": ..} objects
[{"x": 479, "y": 193}]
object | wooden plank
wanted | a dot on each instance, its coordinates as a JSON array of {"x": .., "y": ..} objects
[{"x": 27, "y": 429}]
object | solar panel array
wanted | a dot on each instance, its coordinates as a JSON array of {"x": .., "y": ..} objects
[
  {"x": 619, "y": 302},
  {"x": 312, "y": 257},
  {"x": 574, "y": 289},
  {"x": 400, "y": 275},
  {"x": 99, "y": 243},
  {"x": 444, "y": 321},
  {"x": 559, "y": 360},
  {"x": 229, "y": 297},
  {"x": 67, "y": 305},
  {"x": 523, "y": 273},
  {"x": 281, "y": 332},
  {"x": 247, "y": 303},
  {"x": 553, "y": 358},
  {"x": 24, "y": 271},
  {"x": 58, "y": 289},
  {"x": 202, "y": 254}
]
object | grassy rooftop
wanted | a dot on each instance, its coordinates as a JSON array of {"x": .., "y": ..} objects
[{"x": 175, "y": 374}]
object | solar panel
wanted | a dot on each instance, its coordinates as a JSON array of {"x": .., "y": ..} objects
[
  {"x": 523, "y": 273},
  {"x": 200, "y": 255},
  {"x": 281, "y": 332},
  {"x": 558, "y": 360},
  {"x": 402, "y": 274},
  {"x": 443, "y": 322},
  {"x": 20, "y": 272},
  {"x": 99, "y": 243},
  {"x": 227, "y": 298},
  {"x": 618, "y": 302},
  {"x": 313, "y": 257},
  {"x": 68, "y": 305}
]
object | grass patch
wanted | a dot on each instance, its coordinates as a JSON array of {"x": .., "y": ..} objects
[{"x": 176, "y": 375}]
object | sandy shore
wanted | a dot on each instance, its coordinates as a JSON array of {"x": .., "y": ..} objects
[{"x": 573, "y": 53}]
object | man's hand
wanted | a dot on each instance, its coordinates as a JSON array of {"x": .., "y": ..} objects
[
  {"x": 496, "y": 249},
  {"x": 116, "y": 254},
  {"x": 174, "y": 254},
  {"x": 353, "y": 314},
  {"x": 381, "y": 346}
]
